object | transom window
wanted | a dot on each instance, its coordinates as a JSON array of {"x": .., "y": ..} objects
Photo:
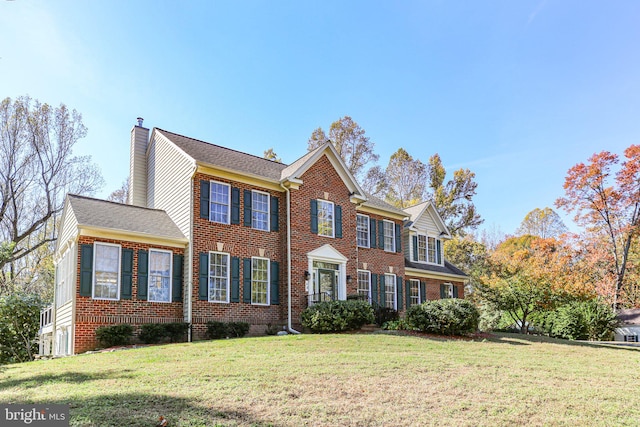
[
  {"x": 389, "y": 236},
  {"x": 390, "y": 291},
  {"x": 414, "y": 289},
  {"x": 260, "y": 210},
  {"x": 159, "y": 275},
  {"x": 432, "y": 250},
  {"x": 362, "y": 230},
  {"x": 219, "y": 202},
  {"x": 325, "y": 218},
  {"x": 259, "y": 281},
  {"x": 106, "y": 277},
  {"x": 218, "y": 277},
  {"x": 422, "y": 248},
  {"x": 364, "y": 284}
]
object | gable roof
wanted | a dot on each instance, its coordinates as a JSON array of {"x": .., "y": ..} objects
[
  {"x": 377, "y": 203},
  {"x": 630, "y": 316},
  {"x": 417, "y": 211},
  {"x": 448, "y": 268},
  {"x": 112, "y": 216}
]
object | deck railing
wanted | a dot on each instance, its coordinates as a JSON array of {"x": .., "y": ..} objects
[{"x": 46, "y": 317}]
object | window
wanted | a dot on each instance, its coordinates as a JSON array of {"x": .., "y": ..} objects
[
  {"x": 64, "y": 278},
  {"x": 159, "y": 276},
  {"x": 422, "y": 248},
  {"x": 218, "y": 277},
  {"x": 362, "y": 231},
  {"x": 106, "y": 275},
  {"x": 259, "y": 281},
  {"x": 447, "y": 290},
  {"x": 325, "y": 218},
  {"x": 390, "y": 291},
  {"x": 414, "y": 289},
  {"x": 260, "y": 210},
  {"x": 364, "y": 284},
  {"x": 219, "y": 202},
  {"x": 389, "y": 236},
  {"x": 432, "y": 250}
]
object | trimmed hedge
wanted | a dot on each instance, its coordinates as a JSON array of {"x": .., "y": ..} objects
[
  {"x": 337, "y": 316},
  {"x": 578, "y": 320},
  {"x": 153, "y": 333},
  {"x": 109, "y": 336},
  {"x": 218, "y": 330},
  {"x": 444, "y": 317}
]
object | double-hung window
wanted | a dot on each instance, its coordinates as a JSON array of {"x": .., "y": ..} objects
[
  {"x": 219, "y": 203},
  {"x": 390, "y": 291},
  {"x": 414, "y": 289},
  {"x": 364, "y": 284},
  {"x": 362, "y": 230},
  {"x": 389, "y": 236},
  {"x": 218, "y": 277},
  {"x": 106, "y": 273},
  {"x": 159, "y": 275},
  {"x": 260, "y": 210},
  {"x": 432, "y": 250},
  {"x": 259, "y": 281},
  {"x": 325, "y": 218},
  {"x": 422, "y": 248}
]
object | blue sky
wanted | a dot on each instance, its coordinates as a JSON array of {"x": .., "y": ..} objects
[{"x": 516, "y": 91}]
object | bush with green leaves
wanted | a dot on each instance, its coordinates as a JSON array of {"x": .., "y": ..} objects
[
  {"x": 109, "y": 336},
  {"x": 152, "y": 333},
  {"x": 396, "y": 325},
  {"x": 237, "y": 329},
  {"x": 444, "y": 317},
  {"x": 337, "y": 316},
  {"x": 579, "y": 320},
  {"x": 218, "y": 330},
  {"x": 176, "y": 331},
  {"x": 19, "y": 325}
]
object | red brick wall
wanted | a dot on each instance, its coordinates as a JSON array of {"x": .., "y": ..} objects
[
  {"x": 92, "y": 313},
  {"x": 242, "y": 242}
]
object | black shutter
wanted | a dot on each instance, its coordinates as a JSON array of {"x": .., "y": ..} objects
[
  {"x": 414, "y": 240},
  {"x": 423, "y": 292},
  {"x": 86, "y": 270},
  {"x": 372, "y": 233},
  {"x": 382, "y": 299},
  {"x": 381, "y": 234},
  {"x": 176, "y": 288},
  {"x": 203, "y": 276},
  {"x": 235, "y": 279},
  {"x": 438, "y": 252},
  {"x": 275, "y": 220},
  {"x": 275, "y": 283},
  {"x": 339, "y": 222},
  {"x": 398, "y": 239},
  {"x": 204, "y": 199},
  {"x": 314, "y": 216},
  {"x": 374, "y": 288},
  {"x": 247, "y": 208},
  {"x": 407, "y": 289},
  {"x": 143, "y": 274},
  {"x": 235, "y": 205},
  {"x": 455, "y": 291},
  {"x": 246, "y": 283},
  {"x": 443, "y": 292},
  {"x": 126, "y": 274},
  {"x": 399, "y": 292}
]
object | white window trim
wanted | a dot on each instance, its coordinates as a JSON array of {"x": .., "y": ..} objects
[
  {"x": 412, "y": 283},
  {"x": 358, "y": 285},
  {"x": 333, "y": 219},
  {"x": 368, "y": 231},
  {"x": 268, "y": 281},
  {"x": 228, "y": 202},
  {"x": 268, "y": 210},
  {"x": 450, "y": 291},
  {"x": 426, "y": 249},
  {"x": 395, "y": 290},
  {"x": 393, "y": 236},
  {"x": 228, "y": 277},
  {"x": 170, "y": 274},
  {"x": 93, "y": 273}
]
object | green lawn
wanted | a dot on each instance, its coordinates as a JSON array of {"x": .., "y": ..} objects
[{"x": 340, "y": 380}]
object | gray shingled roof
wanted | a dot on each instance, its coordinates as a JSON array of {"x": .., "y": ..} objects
[
  {"x": 119, "y": 217},
  {"x": 374, "y": 202},
  {"x": 293, "y": 167},
  {"x": 630, "y": 316},
  {"x": 414, "y": 211},
  {"x": 215, "y": 155},
  {"x": 448, "y": 268}
]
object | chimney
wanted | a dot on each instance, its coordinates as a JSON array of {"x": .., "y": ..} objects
[{"x": 138, "y": 165}]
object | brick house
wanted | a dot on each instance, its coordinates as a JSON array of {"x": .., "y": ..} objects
[{"x": 212, "y": 233}]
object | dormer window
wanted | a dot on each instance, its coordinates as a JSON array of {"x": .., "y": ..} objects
[
  {"x": 432, "y": 250},
  {"x": 422, "y": 248},
  {"x": 426, "y": 249}
]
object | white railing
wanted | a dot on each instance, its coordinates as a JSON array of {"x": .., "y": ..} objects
[{"x": 46, "y": 317}]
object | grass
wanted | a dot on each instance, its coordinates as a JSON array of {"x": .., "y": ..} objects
[{"x": 340, "y": 380}]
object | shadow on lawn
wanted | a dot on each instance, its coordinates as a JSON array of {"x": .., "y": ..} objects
[
  {"x": 64, "y": 377},
  {"x": 517, "y": 339},
  {"x": 144, "y": 409}
]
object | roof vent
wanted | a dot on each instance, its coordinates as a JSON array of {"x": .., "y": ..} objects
[{"x": 140, "y": 120}]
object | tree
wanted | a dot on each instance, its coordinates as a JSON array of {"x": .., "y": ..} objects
[
  {"x": 271, "y": 155},
  {"x": 406, "y": 179},
  {"x": 375, "y": 182},
  {"x": 470, "y": 256},
  {"x": 453, "y": 199},
  {"x": 121, "y": 195},
  {"x": 543, "y": 223},
  {"x": 607, "y": 204},
  {"x": 19, "y": 324},
  {"x": 351, "y": 143},
  {"x": 37, "y": 170}
]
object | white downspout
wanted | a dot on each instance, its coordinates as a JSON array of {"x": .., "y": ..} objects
[
  {"x": 189, "y": 295},
  {"x": 289, "y": 326}
]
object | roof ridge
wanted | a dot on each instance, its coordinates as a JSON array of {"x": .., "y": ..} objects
[
  {"x": 223, "y": 147},
  {"x": 113, "y": 202}
]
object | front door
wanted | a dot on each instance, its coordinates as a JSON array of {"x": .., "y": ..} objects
[{"x": 325, "y": 287}]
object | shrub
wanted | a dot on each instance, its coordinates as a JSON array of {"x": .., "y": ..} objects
[
  {"x": 579, "y": 320},
  {"x": 396, "y": 325},
  {"x": 337, "y": 316},
  {"x": 176, "y": 331},
  {"x": 152, "y": 333},
  {"x": 109, "y": 336},
  {"x": 444, "y": 317},
  {"x": 19, "y": 325},
  {"x": 237, "y": 329},
  {"x": 217, "y": 330},
  {"x": 384, "y": 315},
  {"x": 272, "y": 329}
]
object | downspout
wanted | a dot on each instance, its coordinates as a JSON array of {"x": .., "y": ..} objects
[
  {"x": 190, "y": 268},
  {"x": 289, "y": 326}
]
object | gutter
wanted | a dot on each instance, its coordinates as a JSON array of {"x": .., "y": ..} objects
[{"x": 289, "y": 326}]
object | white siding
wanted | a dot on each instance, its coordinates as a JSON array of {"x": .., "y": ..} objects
[
  {"x": 138, "y": 167},
  {"x": 427, "y": 225},
  {"x": 69, "y": 229},
  {"x": 64, "y": 315},
  {"x": 169, "y": 181}
]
